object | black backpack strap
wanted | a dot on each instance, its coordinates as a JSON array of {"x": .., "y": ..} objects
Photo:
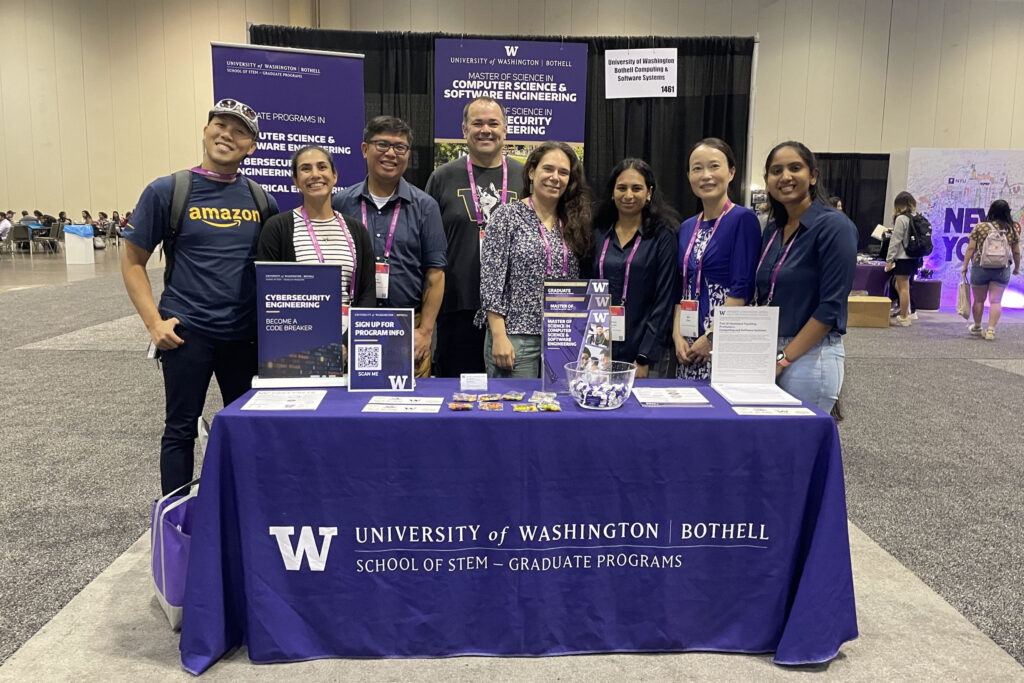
[
  {"x": 259, "y": 195},
  {"x": 182, "y": 187}
]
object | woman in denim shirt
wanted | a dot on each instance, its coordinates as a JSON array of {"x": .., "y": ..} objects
[{"x": 808, "y": 257}]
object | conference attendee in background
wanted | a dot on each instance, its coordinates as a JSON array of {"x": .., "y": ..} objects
[
  {"x": 718, "y": 251},
  {"x": 903, "y": 267},
  {"x": 5, "y": 225},
  {"x": 62, "y": 219},
  {"x": 809, "y": 252},
  {"x": 103, "y": 223},
  {"x": 116, "y": 220},
  {"x": 405, "y": 229},
  {"x": 87, "y": 218},
  {"x": 835, "y": 203},
  {"x": 315, "y": 233},
  {"x": 468, "y": 190},
  {"x": 635, "y": 250},
  {"x": 546, "y": 235},
  {"x": 205, "y": 324},
  {"x": 992, "y": 246}
]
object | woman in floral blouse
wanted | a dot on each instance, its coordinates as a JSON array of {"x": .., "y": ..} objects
[{"x": 543, "y": 236}]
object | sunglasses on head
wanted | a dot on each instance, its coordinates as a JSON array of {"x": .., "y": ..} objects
[{"x": 240, "y": 108}]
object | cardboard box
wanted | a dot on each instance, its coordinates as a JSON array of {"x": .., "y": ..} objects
[{"x": 868, "y": 311}]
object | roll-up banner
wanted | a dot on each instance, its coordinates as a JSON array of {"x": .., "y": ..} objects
[
  {"x": 542, "y": 85},
  {"x": 302, "y": 97}
]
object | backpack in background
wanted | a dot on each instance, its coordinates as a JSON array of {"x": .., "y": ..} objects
[
  {"x": 995, "y": 250},
  {"x": 919, "y": 236}
]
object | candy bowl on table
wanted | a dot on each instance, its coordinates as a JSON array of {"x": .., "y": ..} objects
[{"x": 600, "y": 389}]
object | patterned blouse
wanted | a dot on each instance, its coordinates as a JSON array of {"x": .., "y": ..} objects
[{"x": 514, "y": 265}]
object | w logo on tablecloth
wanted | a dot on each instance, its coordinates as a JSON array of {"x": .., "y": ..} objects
[{"x": 292, "y": 556}]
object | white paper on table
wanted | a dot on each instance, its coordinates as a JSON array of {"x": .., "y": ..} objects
[
  {"x": 761, "y": 411},
  {"x": 400, "y": 408},
  {"x": 755, "y": 394},
  {"x": 473, "y": 381},
  {"x": 285, "y": 400},
  {"x": 745, "y": 345},
  {"x": 658, "y": 397},
  {"x": 408, "y": 400}
]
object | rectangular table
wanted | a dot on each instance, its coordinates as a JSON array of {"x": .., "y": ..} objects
[{"x": 338, "y": 533}]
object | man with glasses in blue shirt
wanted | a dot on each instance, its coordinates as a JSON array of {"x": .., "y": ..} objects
[{"x": 405, "y": 227}]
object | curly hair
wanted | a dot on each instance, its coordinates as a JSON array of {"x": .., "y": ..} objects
[
  {"x": 657, "y": 215},
  {"x": 575, "y": 203}
]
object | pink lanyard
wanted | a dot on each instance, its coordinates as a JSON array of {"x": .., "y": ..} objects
[
  {"x": 547, "y": 245},
  {"x": 472, "y": 187},
  {"x": 778, "y": 266},
  {"x": 213, "y": 174},
  {"x": 391, "y": 231},
  {"x": 320, "y": 254},
  {"x": 629, "y": 262},
  {"x": 693, "y": 241}
]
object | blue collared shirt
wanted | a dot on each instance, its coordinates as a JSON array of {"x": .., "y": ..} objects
[
  {"x": 419, "y": 241},
  {"x": 817, "y": 275}
]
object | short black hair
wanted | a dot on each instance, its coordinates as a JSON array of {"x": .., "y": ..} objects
[{"x": 387, "y": 124}]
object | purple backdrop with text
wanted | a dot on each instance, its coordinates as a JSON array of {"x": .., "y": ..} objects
[
  {"x": 302, "y": 97},
  {"x": 542, "y": 85}
]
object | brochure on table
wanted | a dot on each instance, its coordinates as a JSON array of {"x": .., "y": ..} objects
[
  {"x": 744, "y": 351},
  {"x": 576, "y": 327},
  {"x": 669, "y": 397},
  {"x": 286, "y": 400},
  {"x": 299, "y": 335},
  {"x": 380, "y": 351}
]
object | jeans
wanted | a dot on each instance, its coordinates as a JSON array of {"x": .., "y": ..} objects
[
  {"x": 527, "y": 362},
  {"x": 187, "y": 372},
  {"x": 817, "y": 376}
]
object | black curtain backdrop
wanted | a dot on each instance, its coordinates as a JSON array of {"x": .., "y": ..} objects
[
  {"x": 713, "y": 99},
  {"x": 859, "y": 180}
]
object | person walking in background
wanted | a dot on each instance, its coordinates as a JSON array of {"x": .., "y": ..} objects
[
  {"x": 990, "y": 249},
  {"x": 897, "y": 261}
]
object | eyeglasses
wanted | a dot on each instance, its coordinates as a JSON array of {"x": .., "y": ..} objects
[
  {"x": 240, "y": 108},
  {"x": 382, "y": 146}
]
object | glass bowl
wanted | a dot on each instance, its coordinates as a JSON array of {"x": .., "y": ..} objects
[{"x": 601, "y": 389}]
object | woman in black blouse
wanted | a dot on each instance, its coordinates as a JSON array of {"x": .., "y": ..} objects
[{"x": 543, "y": 236}]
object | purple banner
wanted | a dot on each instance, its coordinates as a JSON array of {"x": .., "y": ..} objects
[
  {"x": 299, "y": 309},
  {"x": 303, "y": 97},
  {"x": 543, "y": 86}
]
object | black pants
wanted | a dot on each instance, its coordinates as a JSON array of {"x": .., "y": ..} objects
[
  {"x": 187, "y": 372},
  {"x": 460, "y": 345}
]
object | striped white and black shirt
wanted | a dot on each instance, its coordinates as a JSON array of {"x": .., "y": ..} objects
[{"x": 334, "y": 245}]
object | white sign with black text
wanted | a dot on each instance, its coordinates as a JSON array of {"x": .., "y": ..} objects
[{"x": 645, "y": 72}]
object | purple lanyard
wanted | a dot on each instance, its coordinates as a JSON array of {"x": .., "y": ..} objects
[
  {"x": 629, "y": 262},
  {"x": 391, "y": 231},
  {"x": 547, "y": 245},
  {"x": 213, "y": 174},
  {"x": 320, "y": 255},
  {"x": 693, "y": 241},
  {"x": 472, "y": 187},
  {"x": 778, "y": 266}
]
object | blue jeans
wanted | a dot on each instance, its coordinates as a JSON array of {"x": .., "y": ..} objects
[
  {"x": 817, "y": 376},
  {"x": 527, "y": 363},
  {"x": 187, "y": 372}
]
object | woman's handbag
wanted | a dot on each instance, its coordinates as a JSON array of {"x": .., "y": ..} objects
[{"x": 963, "y": 299}]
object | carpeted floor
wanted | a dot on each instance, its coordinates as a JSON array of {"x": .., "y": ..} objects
[{"x": 933, "y": 468}]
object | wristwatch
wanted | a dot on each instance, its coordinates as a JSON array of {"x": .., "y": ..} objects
[
  {"x": 781, "y": 359},
  {"x": 710, "y": 334}
]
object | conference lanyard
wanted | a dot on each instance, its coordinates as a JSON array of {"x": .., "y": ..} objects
[
  {"x": 778, "y": 266},
  {"x": 693, "y": 241},
  {"x": 629, "y": 262},
  {"x": 320, "y": 254},
  {"x": 472, "y": 188},
  {"x": 391, "y": 231},
  {"x": 213, "y": 174},
  {"x": 547, "y": 244}
]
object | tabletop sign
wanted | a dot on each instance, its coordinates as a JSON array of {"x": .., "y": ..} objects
[
  {"x": 299, "y": 338},
  {"x": 648, "y": 72},
  {"x": 380, "y": 349},
  {"x": 576, "y": 327}
]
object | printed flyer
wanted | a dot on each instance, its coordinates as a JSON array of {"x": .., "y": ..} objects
[
  {"x": 380, "y": 349},
  {"x": 299, "y": 308},
  {"x": 576, "y": 327}
]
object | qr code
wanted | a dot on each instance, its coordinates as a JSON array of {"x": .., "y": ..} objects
[{"x": 368, "y": 357}]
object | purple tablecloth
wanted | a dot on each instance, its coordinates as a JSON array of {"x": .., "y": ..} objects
[
  {"x": 872, "y": 277},
  {"x": 338, "y": 533}
]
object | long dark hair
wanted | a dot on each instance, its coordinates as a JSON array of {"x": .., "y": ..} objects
[
  {"x": 574, "y": 205},
  {"x": 657, "y": 214},
  {"x": 999, "y": 213},
  {"x": 777, "y": 209},
  {"x": 904, "y": 202}
]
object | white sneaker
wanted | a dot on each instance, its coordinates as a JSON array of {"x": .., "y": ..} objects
[
  {"x": 990, "y": 334},
  {"x": 974, "y": 330},
  {"x": 901, "y": 321},
  {"x": 913, "y": 316}
]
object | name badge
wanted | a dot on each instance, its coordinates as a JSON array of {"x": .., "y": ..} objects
[
  {"x": 381, "y": 278},
  {"x": 344, "y": 319},
  {"x": 687, "y": 318},
  {"x": 618, "y": 315}
]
